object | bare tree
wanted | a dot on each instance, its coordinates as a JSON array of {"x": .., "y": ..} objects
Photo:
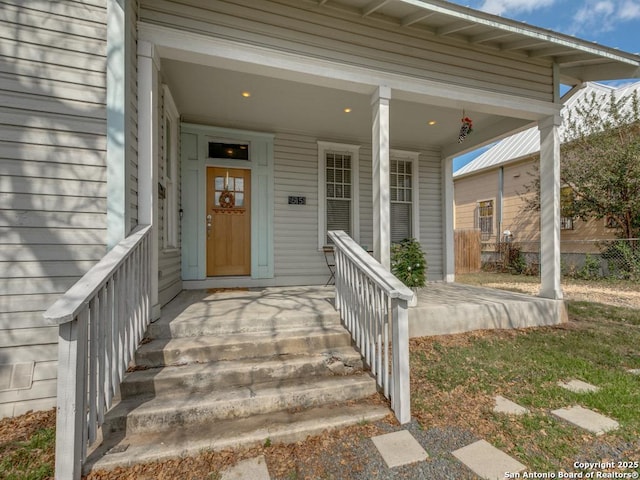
[{"x": 600, "y": 166}]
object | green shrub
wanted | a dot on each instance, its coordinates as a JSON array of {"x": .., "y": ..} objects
[
  {"x": 408, "y": 262},
  {"x": 516, "y": 262},
  {"x": 590, "y": 270}
]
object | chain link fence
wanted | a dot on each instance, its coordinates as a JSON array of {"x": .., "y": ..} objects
[{"x": 586, "y": 259}]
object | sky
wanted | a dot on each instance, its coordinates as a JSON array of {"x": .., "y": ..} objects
[{"x": 612, "y": 23}]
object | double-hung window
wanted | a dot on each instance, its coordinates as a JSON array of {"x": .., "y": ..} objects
[
  {"x": 485, "y": 219},
  {"x": 337, "y": 190},
  {"x": 404, "y": 202}
]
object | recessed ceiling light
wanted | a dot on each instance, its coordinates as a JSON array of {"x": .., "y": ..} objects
[
  {"x": 347, "y": 110},
  {"x": 432, "y": 122},
  {"x": 246, "y": 94}
]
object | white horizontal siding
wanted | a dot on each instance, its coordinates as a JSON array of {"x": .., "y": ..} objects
[
  {"x": 28, "y": 336},
  {"x": 301, "y": 27},
  {"x": 296, "y": 226},
  {"x": 58, "y": 203},
  {"x": 53, "y": 183},
  {"x": 431, "y": 210},
  {"x": 366, "y": 197},
  {"x": 16, "y": 286}
]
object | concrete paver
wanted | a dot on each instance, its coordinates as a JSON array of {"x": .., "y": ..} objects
[
  {"x": 578, "y": 386},
  {"x": 504, "y": 405},
  {"x": 399, "y": 448},
  {"x": 487, "y": 461},
  {"x": 252, "y": 468},
  {"x": 588, "y": 419}
]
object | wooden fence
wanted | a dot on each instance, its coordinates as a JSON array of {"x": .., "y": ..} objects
[{"x": 467, "y": 245}]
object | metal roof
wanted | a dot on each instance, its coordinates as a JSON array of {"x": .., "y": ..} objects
[
  {"x": 527, "y": 142},
  {"x": 578, "y": 60}
]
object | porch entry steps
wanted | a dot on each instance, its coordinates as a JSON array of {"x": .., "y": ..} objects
[{"x": 218, "y": 371}]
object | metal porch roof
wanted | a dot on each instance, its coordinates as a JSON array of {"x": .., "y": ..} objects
[{"x": 578, "y": 60}]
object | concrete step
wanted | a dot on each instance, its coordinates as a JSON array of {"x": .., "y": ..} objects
[
  {"x": 195, "y": 313},
  {"x": 200, "y": 323},
  {"x": 164, "y": 413},
  {"x": 277, "y": 427},
  {"x": 161, "y": 352},
  {"x": 206, "y": 377}
]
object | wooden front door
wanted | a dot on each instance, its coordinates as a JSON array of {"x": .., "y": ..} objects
[{"x": 228, "y": 221}]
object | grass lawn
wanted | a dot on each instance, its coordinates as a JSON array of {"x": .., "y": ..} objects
[{"x": 455, "y": 379}]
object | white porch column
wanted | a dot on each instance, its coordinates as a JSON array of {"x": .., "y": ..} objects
[
  {"x": 148, "y": 151},
  {"x": 448, "y": 220},
  {"x": 550, "y": 207},
  {"x": 380, "y": 159}
]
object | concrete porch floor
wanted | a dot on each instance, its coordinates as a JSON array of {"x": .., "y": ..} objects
[{"x": 443, "y": 308}]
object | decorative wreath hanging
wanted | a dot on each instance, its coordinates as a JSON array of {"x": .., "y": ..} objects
[{"x": 227, "y": 200}]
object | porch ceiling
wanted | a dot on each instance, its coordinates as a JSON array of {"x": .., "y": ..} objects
[{"x": 211, "y": 95}]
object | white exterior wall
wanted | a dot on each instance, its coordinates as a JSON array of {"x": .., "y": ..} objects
[
  {"x": 296, "y": 226},
  {"x": 53, "y": 183},
  {"x": 431, "y": 212}
]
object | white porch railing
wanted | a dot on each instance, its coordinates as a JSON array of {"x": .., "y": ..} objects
[
  {"x": 101, "y": 320},
  {"x": 373, "y": 304}
]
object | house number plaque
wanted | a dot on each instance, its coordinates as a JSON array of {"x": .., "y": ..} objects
[{"x": 297, "y": 200}]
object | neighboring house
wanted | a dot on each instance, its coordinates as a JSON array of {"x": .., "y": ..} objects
[
  {"x": 314, "y": 114},
  {"x": 491, "y": 190}
]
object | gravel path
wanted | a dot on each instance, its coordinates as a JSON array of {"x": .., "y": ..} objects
[{"x": 362, "y": 461}]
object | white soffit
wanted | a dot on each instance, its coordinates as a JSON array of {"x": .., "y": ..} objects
[{"x": 578, "y": 60}]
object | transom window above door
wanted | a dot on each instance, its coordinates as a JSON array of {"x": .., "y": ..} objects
[{"x": 230, "y": 151}]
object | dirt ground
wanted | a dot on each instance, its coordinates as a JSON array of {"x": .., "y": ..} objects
[{"x": 615, "y": 294}]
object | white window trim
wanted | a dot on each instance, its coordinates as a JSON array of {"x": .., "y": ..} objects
[
  {"x": 354, "y": 151},
  {"x": 171, "y": 185},
  {"x": 414, "y": 158}
]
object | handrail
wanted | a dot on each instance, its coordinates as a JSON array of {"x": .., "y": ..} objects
[
  {"x": 101, "y": 320},
  {"x": 76, "y": 298},
  {"x": 381, "y": 276},
  {"x": 373, "y": 305}
]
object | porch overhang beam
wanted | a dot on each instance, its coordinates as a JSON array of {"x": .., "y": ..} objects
[{"x": 198, "y": 48}]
